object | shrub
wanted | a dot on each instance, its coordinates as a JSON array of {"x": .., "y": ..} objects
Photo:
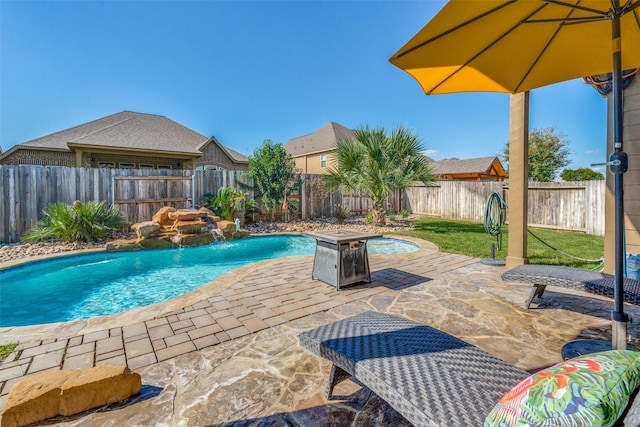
[
  {"x": 368, "y": 219},
  {"x": 80, "y": 222},
  {"x": 251, "y": 208},
  {"x": 225, "y": 203},
  {"x": 405, "y": 213}
]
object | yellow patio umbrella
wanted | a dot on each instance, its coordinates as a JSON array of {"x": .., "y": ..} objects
[{"x": 517, "y": 45}]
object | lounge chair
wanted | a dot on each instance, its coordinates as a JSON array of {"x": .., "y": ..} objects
[
  {"x": 573, "y": 278},
  {"x": 428, "y": 376}
]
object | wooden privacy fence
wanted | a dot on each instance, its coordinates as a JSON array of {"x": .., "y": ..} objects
[
  {"x": 574, "y": 206},
  {"x": 316, "y": 202},
  {"x": 139, "y": 197},
  {"x": 26, "y": 190}
]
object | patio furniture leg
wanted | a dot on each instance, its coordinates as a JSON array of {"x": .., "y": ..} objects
[
  {"x": 336, "y": 376},
  {"x": 537, "y": 291}
]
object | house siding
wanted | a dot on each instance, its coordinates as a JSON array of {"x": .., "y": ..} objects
[
  {"x": 89, "y": 159},
  {"x": 312, "y": 163},
  {"x": 213, "y": 155},
  {"x": 40, "y": 158},
  {"x": 93, "y": 160}
]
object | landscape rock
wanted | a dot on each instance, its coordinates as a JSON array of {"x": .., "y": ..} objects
[
  {"x": 162, "y": 242},
  {"x": 123, "y": 245},
  {"x": 241, "y": 234},
  {"x": 145, "y": 229},
  {"x": 228, "y": 228},
  {"x": 162, "y": 216},
  {"x": 187, "y": 215},
  {"x": 67, "y": 392},
  {"x": 189, "y": 227},
  {"x": 192, "y": 239}
]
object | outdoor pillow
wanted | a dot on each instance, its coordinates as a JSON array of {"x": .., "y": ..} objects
[{"x": 591, "y": 390}]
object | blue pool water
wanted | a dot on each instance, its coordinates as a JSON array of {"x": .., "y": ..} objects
[{"x": 83, "y": 286}]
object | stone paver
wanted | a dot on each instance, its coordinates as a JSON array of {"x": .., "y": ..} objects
[
  {"x": 109, "y": 345},
  {"x": 430, "y": 287},
  {"x": 137, "y": 348},
  {"x": 80, "y": 361},
  {"x": 176, "y": 350}
]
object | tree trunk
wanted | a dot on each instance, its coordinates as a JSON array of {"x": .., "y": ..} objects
[{"x": 379, "y": 216}]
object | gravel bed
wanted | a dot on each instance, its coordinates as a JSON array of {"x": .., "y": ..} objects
[{"x": 15, "y": 251}]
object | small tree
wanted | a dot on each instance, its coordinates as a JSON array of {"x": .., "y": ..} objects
[
  {"x": 274, "y": 174},
  {"x": 548, "y": 153},
  {"x": 378, "y": 164},
  {"x": 581, "y": 174}
]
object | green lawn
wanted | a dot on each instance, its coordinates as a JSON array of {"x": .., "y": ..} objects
[{"x": 470, "y": 238}]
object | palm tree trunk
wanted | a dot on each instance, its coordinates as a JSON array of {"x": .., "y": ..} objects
[{"x": 379, "y": 216}]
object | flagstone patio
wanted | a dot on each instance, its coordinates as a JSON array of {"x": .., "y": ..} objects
[{"x": 228, "y": 353}]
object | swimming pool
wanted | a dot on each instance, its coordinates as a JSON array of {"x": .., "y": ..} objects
[{"x": 99, "y": 284}]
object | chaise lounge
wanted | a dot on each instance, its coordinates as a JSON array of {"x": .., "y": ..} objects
[
  {"x": 428, "y": 376},
  {"x": 573, "y": 278}
]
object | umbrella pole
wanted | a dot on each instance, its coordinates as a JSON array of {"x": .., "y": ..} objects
[{"x": 618, "y": 166}]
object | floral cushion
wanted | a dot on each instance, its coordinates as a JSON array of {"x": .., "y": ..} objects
[{"x": 591, "y": 390}]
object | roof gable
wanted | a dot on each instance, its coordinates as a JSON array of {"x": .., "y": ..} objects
[
  {"x": 479, "y": 165},
  {"x": 324, "y": 139},
  {"x": 233, "y": 155},
  {"x": 125, "y": 130}
]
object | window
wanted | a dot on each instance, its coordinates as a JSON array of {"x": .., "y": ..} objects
[
  {"x": 145, "y": 166},
  {"x": 126, "y": 165},
  {"x": 323, "y": 160},
  {"x": 164, "y": 166},
  {"x": 109, "y": 165}
]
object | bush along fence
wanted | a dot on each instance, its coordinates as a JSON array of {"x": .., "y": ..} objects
[{"x": 26, "y": 190}]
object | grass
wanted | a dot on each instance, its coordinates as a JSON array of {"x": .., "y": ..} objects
[
  {"x": 6, "y": 349},
  {"x": 470, "y": 238}
]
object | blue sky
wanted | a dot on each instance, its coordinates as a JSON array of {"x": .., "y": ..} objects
[{"x": 249, "y": 71}]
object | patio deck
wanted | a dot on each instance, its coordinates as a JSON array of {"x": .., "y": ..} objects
[{"x": 228, "y": 354}]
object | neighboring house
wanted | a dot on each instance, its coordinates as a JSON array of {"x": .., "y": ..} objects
[
  {"x": 312, "y": 152},
  {"x": 126, "y": 140},
  {"x": 479, "y": 169}
]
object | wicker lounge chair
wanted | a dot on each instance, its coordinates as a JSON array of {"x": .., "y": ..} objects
[
  {"x": 573, "y": 278},
  {"x": 428, "y": 376}
]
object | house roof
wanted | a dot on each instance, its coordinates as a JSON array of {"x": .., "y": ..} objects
[
  {"x": 481, "y": 165},
  {"x": 324, "y": 139},
  {"x": 125, "y": 130}
]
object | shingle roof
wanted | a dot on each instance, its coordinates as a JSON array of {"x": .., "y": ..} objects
[
  {"x": 323, "y": 139},
  {"x": 454, "y": 166},
  {"x": 235, "y": 156},
  {"x": 126, "y": 130}
]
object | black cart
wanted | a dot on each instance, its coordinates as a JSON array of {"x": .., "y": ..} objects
[{"x": 341, "y": 256}]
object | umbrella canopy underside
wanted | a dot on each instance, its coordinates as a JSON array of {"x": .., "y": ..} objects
[{"x": 515, "y": 46}]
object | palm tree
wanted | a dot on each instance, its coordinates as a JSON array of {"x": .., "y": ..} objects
[{"x": 377, "y": 164}]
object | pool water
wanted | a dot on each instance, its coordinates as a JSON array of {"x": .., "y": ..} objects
[{"x": 100, "y": 284}]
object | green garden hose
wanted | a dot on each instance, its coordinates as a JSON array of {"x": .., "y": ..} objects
[
  {"x": 597, "y": 267},
  {"x": 494, "y": 216}
]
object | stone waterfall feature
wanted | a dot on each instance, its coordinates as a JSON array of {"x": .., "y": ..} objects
[{"x": 170, "y": 227}]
